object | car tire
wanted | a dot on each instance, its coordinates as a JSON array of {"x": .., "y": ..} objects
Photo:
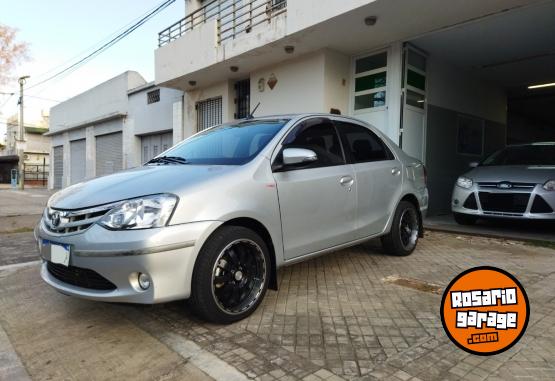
[
  {"x": 464, "y": 219},
  {"x": 231, "y": 275},
  {"x": 400, "y": 241}
]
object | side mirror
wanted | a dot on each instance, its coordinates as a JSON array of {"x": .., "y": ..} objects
[
  {"x": 473, "y": 164},
  {"x": 293, "y": 156}
]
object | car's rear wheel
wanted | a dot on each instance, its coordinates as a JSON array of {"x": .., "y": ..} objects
[
  {"x": 403, "y": 236},
  {"x": 231, "y": 275},
  {"x": 464, "y": 219}
]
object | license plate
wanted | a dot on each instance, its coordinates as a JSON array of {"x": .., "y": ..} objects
[{"x": 59, "y": 253}]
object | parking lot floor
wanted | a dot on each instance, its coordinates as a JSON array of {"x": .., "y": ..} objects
[{"x": 340, "y": 316}]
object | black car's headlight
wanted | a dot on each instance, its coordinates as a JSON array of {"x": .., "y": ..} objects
[
  {"x": 549, "y": 185},
  {"x": 141, "y": 213}
]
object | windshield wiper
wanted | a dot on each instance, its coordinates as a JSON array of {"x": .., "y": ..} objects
[{"x": 168, "y": 159}]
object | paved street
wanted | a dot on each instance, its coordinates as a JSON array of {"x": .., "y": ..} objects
[{"x": 354, "y": 314}]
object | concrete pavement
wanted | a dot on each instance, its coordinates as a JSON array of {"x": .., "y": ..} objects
[{"x": 335, "y": 317}]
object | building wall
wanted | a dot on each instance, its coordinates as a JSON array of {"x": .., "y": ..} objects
[
  {"x": 451, "y": 93},
  {"x": 108, "y": 98},
  {"x": 300, "y": 86}
]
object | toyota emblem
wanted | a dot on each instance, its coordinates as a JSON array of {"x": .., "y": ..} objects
[{"x": 55, "y": 219}]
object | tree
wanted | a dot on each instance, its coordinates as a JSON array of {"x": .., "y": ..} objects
[{"x": 12, "y": 52}]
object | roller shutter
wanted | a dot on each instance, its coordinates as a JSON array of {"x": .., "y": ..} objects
[
  {"x": 58, "y": 166},
  {"x": 209, "y": 113},
  {"x": 77, "y": 161},
  {"x": 109, "y": 155}
]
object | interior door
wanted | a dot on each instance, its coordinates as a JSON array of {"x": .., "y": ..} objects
[
  {"x": 378, "y": 177},
  {"x": 317, "y": 201}
]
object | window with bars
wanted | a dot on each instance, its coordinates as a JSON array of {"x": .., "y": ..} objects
[
  {"x": 209, "y": 113},
  {"x": 153, "y": 96},
  {"x": 242, "y": 98}
]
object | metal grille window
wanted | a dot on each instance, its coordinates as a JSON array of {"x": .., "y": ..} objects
[
  {"x": 209, "y": 113},
  {"x": 109, "y": 156},
  {"x": 242, "y": 98},
  {"x": 153, "y": 96}
]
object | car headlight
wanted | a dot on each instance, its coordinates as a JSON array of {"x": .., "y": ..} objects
[
  {"x": 141, "y": 213},
  {"x": 464, "y": 182},
  {"x": 549, "y": 185}
]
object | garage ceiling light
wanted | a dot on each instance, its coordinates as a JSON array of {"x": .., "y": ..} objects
[{"x": 542, "y": 85}]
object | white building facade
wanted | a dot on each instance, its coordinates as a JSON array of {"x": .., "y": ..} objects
[
  {"x": 384, "y": 62},
  {"x": 116, "y": 125}
]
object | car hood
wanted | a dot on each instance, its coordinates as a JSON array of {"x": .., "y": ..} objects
[
  {"x": 135, "y": 182},
  {"x": 513, "y": 173}
]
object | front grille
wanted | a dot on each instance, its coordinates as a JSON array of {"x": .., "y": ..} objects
[
  {"x": 504, "y": 202},
  {"x": 79, "y": 277},
  {"x": 519, "y": 186},
  {"x": 72, "y": 221},
  {"x": 540, "y": 206}
]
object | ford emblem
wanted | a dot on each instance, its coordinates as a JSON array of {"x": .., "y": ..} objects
[{"x": 504, "y": 185}]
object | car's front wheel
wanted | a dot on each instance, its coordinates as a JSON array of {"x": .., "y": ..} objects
[
  {"x": 231, "y": 275},
  {"x": 405, "y": 228}
]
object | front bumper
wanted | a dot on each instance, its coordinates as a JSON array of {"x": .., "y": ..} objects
[
  {"x": 460, "y": 197},
  {"x": 166, "y": 254}
]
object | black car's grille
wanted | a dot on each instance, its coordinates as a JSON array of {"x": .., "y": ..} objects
[
  {"x": 470, "y": 202},
  {"x": 79, "y": 277},
  {"x": 540, "y": 205},
  {"x": 504, "y": 202}
]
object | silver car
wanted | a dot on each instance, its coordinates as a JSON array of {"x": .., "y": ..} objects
[
  {"x": 515, "y": 182},
  {"x": 214, "y": 217}
]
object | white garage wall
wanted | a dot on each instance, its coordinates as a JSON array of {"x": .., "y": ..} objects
[{"x": 455, "y": 89}]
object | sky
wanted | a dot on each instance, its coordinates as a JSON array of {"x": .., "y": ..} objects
[{"x": 59, "y": 30}]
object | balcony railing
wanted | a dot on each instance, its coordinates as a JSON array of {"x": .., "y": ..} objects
[{"x": 233, "y": 18}]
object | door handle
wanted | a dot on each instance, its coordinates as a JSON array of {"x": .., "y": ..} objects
[
  {"x": 395, "y": 171},
  {"x": 346, "y": 181}
]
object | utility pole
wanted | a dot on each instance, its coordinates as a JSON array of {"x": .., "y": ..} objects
[{"x": 20, "y": 142}]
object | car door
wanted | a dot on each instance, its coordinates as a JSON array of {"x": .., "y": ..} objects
[
  {"x": 317, "y": 200},
  {"x": 377, "y": 173}
]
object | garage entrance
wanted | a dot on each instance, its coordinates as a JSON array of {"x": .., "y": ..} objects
[
  {"x": 489, "y": 83},
  {"x": 109, "y": 156},
  {"x": 152, "y": 145}
]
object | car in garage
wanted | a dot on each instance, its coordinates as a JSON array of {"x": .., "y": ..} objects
[
  {"x": 213, "y": 218},
  {"x": 517, "y": 182}
]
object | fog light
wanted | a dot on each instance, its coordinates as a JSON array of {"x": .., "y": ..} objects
[
  {"x": 456, "y": 202},
  {"x": 144, "y": 281}
]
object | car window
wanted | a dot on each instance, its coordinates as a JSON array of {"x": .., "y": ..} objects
[
  {"x": 228, "y": 144},
  {"x": 320, "y": 136},
  {"x": 362, "y": 145}
]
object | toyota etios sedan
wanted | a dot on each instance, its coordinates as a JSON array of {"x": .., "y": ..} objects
[{"x": 213, "y": 218}]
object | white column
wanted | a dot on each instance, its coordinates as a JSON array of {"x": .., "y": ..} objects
[
  {"x": 177, "y": 121},
  {"x": 395, "y": 77},
  {"x": 66, "y": 181},
  {"x": 90, "y": 153}
]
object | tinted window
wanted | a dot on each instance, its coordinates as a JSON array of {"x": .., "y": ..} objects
[
  {"x": 523, "y": 155},
  {"x": 228, "y": 144},
  {"x": 362, "y": 145},
  {"x": 320, "y": 136}
]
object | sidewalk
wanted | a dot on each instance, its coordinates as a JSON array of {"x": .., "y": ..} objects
[{"x": 505, "y": 229}]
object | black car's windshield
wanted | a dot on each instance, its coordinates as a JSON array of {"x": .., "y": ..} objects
[
  {"x": 229, "y": 144},
  {"x": 533, "y": 154}
]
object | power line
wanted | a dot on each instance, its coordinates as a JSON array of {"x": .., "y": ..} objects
[
  {"x": 107, "y": 45},
  {"x": 110, "y": 36}
]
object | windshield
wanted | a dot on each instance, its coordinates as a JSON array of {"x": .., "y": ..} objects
[
  {"x": 523, "y": 155},
  {"x": 229, "y": 144}
]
